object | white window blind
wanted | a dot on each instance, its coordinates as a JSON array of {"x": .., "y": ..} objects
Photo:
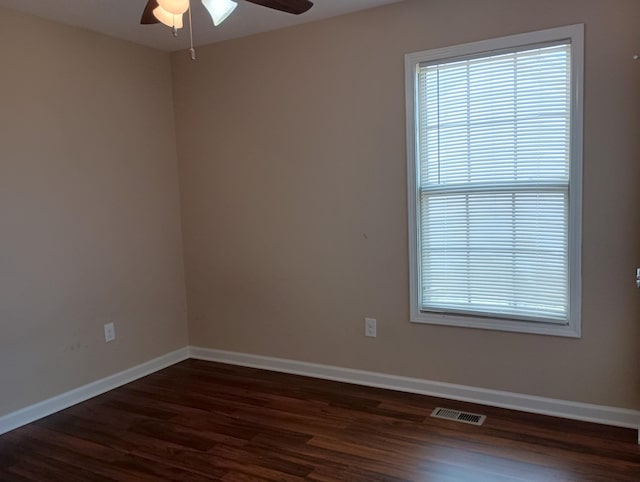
[
  {"x": 493, "y": 141},
  {"x": 494, "y": 137}
]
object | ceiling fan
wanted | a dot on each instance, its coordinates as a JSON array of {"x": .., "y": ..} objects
[{"x": 169, "y": 12}]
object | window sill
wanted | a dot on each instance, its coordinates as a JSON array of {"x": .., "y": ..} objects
[{"x": 533, "y": 327}]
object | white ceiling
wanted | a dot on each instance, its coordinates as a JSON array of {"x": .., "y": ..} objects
[{"x": 121, "y": 19}]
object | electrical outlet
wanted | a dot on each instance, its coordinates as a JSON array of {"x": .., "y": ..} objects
[
  {"x": 370, "y": 327},
  {"x": 109, "y": 332}
]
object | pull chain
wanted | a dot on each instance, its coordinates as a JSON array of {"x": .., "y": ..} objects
[{"x": 192, "y": 50}]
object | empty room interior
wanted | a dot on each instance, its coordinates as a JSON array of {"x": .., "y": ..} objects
[{"x": 371, "y": 240}]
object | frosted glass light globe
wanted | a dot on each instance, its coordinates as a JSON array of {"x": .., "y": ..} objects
[
  {"x": 219, "y": 9},
  {"x": 167, "y": 18},
  {"x": 176, "y": 7}
]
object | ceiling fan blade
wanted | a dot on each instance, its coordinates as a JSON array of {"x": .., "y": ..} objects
[
  {"x": 147, "y": 16},
  {"x": 290, "y": 6}
]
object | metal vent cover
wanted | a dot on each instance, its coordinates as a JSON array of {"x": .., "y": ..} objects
[{"x": 458, "y": 416}]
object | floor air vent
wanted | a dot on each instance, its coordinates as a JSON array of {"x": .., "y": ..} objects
[{"x": 458, "y": 416}]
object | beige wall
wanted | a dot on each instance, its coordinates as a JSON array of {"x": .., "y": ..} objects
[
  {"x": 292, "y": 153},
  {"x": 292, "y": 150},
  {"x": 89, "y": 209}
]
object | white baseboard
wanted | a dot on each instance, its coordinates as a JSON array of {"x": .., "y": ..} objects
[
  {"x": 547, "y": 406},
  {"x": 619, "y": 417},
  {"x": 47, "y": 407}
]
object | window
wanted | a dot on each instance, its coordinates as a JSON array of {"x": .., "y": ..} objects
[{"x": 494, "y": 134}]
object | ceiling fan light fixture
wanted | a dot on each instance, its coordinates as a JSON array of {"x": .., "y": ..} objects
[
  {"x": 219, "y": 9},
  {"x": 176, "y": 7},
  {"x": 167, "y": 18}
]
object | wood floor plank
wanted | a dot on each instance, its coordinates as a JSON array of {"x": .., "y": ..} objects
[{"x": 199, "y": 421}]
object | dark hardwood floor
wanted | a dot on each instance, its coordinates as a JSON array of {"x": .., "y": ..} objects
[{"x": 201, "y": 421}]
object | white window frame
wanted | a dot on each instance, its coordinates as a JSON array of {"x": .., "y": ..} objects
[{"x": 574, "y": 33}]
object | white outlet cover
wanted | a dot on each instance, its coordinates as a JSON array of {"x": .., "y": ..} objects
[
  {"x": 370, "y": 327},
  {"x": 109, "y": 332}
]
